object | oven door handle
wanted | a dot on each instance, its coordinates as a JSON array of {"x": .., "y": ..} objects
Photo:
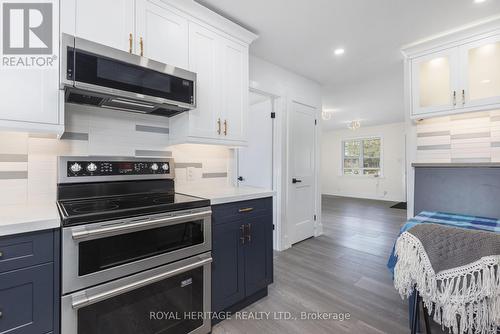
[
  {"x": 82, "y": 299},
  {"x": 80, "y": 234}
]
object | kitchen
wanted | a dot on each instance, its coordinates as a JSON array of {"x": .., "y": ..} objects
[{"x": 163, "y": 176}]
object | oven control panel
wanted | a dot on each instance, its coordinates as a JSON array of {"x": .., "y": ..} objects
[{"x": 117, "y": 168}]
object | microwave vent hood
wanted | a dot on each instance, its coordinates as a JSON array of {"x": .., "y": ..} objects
[{"x": 100, "y": 76}]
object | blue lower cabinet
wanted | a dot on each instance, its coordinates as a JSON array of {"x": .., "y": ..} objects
[
  {"x": 29, "y": 302},
  {"x": 242, "y": 249},
  {"x": 26, "y": 300}
]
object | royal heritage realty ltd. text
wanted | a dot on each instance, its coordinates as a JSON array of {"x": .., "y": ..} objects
[{"x": 285, "y": 316}]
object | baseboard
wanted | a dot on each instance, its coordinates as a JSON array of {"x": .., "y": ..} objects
[{"x": 385, "y": 199}]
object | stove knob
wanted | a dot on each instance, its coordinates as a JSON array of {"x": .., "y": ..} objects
[
  {"x": 154, "y": 167},
  {"x": 91, "y": 167},
  {"x": 75, "y": 168},
  {"x": 165, "y": 167}
]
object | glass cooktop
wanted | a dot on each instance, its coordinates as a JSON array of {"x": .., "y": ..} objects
[{"x": 82, "y": 211}]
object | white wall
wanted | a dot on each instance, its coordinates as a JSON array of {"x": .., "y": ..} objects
[
  {"x": 287, "y": 87},
  {"x": 28, "y": 162},
  {"x": 390, "y": 186}
]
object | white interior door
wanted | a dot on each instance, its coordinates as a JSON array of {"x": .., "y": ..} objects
[
  {"x": 301, "y": 189},
  {"x": 108, "y": 22},
  {"x": 255, "y": 162}
]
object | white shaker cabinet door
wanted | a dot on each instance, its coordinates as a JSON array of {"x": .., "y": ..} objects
[
  {"x": 107, "y": 22},
  {"x": 162, "y": 34},
  {"x": 205, "y": 120},
  {"x": 235, "y": 90}
]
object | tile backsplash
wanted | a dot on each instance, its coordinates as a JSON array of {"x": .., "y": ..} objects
[
  {"x": 28, "y": 162},
  {"x": 470, "y": 137}
]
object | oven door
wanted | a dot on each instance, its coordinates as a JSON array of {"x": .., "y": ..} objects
[
  {"x": 170, "y": 299},
  {"x": 97, "y": 253}
]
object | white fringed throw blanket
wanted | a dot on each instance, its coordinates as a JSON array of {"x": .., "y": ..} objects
[{"x": 456, "y": 272}]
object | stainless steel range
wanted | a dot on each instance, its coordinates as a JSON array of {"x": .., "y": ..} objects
[{"x": 131, "y": 247}]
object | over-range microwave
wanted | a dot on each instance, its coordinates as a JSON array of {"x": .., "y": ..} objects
[{"x": 101, "y": 76}]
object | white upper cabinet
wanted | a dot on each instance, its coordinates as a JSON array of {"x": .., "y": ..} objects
[
  {"x": 481, "y": 72},
  {"x": 435, "y": 82},
  {"x": 162, "y": 35},
  {"x": 204, "y": 121},
  {"x": 455, "y": 73},
  {"x": 234, "y": 68},
  {"x": 31, "y": 99},
  {"x": 221, "y": 65},
  {"x": 108, "y": 22},
  {"x": 187, "y": 35}
]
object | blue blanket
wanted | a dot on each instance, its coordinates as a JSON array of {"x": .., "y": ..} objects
[
  {"x": 467, "y": 222},
  {"x": 428, "y": 217}
]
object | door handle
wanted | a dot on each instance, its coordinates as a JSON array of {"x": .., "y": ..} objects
[
  {"x": 463, "y": 97},
  {"x": 454, "y": 98},
  {"x": 225, "y": 127},
  {"x": 218, "y": 127},
  {"x": 294, "y": 180}
]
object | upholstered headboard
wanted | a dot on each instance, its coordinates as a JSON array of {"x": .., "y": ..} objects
[{"x": 466, "y": 189}]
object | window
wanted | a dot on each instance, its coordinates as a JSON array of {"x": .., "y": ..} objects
[{"x": 361, "y": 156}]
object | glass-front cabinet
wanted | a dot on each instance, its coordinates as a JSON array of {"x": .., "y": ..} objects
[
  {"x": 462, "y": 78},
  {"x": 481, "y": 72},
  {"x": 435, "y": 82}
]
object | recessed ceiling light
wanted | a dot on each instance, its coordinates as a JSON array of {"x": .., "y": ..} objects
[
  {"x": 479, "y": 1},
  {"x": 339, "y": 51}
]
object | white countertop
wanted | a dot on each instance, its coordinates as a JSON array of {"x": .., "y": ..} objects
[
  {"x": 23, "y": 218},
  {"x": 224, "y": 194}
]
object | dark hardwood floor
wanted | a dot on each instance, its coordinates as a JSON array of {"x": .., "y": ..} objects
[{"x": 343, "y": 271}]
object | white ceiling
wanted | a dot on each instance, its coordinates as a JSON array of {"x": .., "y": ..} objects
[{"x": 366, "y": 82}]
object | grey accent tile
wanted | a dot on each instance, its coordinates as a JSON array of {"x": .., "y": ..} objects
[
  {"x": 434, "y": 147},
  {"x": 469, "y": 116},
  {"x": 188, "y": 164},
  {"x": 75, "y": 136},
  {"x": 13, "y": 158},
  {"x": 471, "y": 135},
  {"x": 495, "y": 144},
  {"x": 14, "y": 175},
  {"x": 213, "y": 175},
  {"x": 154, "y": 129},
  {"x": 153, "y": 153},
  {"x": 495, "y": 118},
  {"x": 433, "y": 134},
  {"x": 471, "y": 160},
  {"x": 42, "y": 135}
]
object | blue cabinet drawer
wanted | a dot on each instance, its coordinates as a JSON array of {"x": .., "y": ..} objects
[
  {"x": 241, "y": 210},
  {"x": 27, "y": 300},
  {"x": 21, "y": 251}
]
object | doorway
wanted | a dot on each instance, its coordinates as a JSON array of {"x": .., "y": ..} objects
[{"x": 255, "y": 162}]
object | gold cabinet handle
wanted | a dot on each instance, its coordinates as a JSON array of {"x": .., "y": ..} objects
[
  {"x": 245, "y": 210},
  {"x": 141, "y": 43},
  {"x": 130, "y": 42},
  {"x": 218, "y": 126},
  {"x": 225, "y": 127}
]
